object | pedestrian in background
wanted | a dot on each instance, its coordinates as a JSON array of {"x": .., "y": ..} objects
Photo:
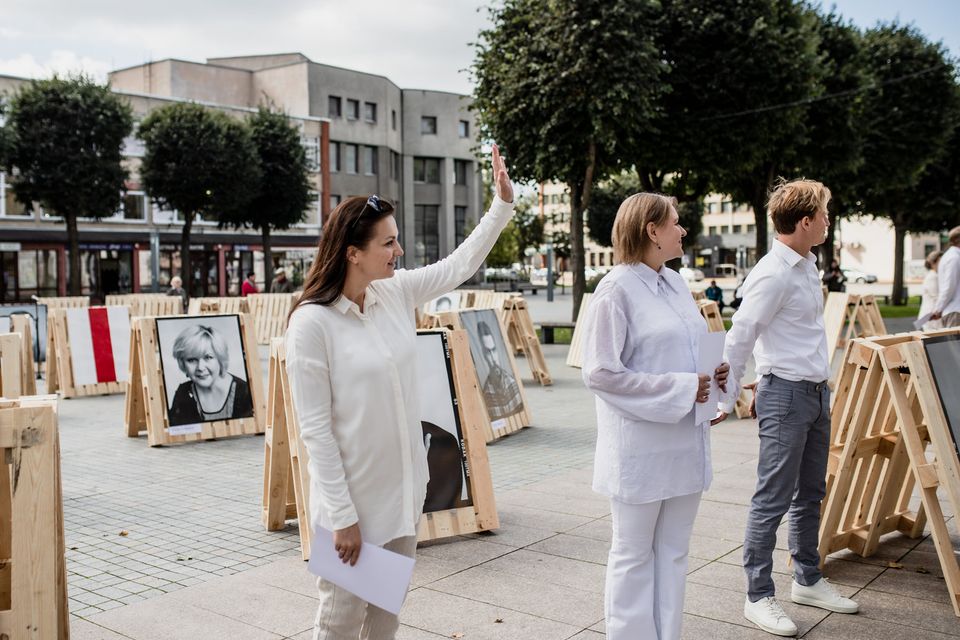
[
  {"x": 249, "y": 285},
  {"x": 947, "y": 309},
  {"x": 931, "y": 289}
]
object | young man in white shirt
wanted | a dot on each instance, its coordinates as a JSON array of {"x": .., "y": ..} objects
[
  {"x": 947, "y": 308},
  {"x": 781, "y": 321}
]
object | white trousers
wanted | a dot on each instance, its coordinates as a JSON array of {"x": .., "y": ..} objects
[
  {"x": 647, "y": 568},
  {"x": 344, "y": 616}
]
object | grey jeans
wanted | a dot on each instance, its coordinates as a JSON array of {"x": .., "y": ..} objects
[{"x": 791, "y": 476}]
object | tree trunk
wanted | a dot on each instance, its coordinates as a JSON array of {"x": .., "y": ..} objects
[
  {"x": 579, "y": 201},
  {"x": 73, "y": 246},
  {"x": 899, "y": 291},
  {"x": 827, "y": 253},
  {"x": 185, "y": 273},
  {"x": 758, "y": 201},
  {"x": 267, "y": 257}
]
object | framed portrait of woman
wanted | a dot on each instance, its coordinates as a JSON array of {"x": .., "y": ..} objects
[{"x": 205, "y": 377}]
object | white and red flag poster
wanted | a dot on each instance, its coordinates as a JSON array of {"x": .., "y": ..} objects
[{"x": 99, "y": 342}]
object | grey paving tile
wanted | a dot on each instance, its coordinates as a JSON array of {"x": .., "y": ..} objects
[
  {"x": 858, "y": 627},
  {"x": 549, "y": 569},
  {"x": 84, "y": 630},
  {"x": 920, "y": 614},
  {"x": 446, "y": 615},
  {"x": 560, "y": 603}
]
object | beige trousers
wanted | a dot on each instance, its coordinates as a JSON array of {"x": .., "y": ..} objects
[{"x": 344, "y": 616}]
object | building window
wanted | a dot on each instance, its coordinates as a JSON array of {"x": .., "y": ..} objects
[
  {"x": 334, "y": 157},
  {"x": 353, "y": 109},
  {"x": 460, "y": 170},
  {"x": 334, "y": 201},
  {"x": 427, "y": 225},
  {"x": 370, "y": 111},
  {"x": 601, "y": 257},
  {"x": 713, "y": 207},
  {"x": 311, "y": 148},
  {"x": 426, "y": 170},
  {"x": 428, "y": 124},
  {"x": 751, "y": 228},
  {"x": 370, "y": 161},
  {"x": 460, "y": 224},
  {"x": 134, "y": 206},
  {"x": 593, "y": 259},
  {"x": 463, "y": 127},
  {"x": 394, "y": 165},
  {"x": 726, "y": 206},
  {"x": 9, "y": 205},
  {"x": 334, "y": 107},
  {"x": 393, "y": 119},
  {"x": 351, "y": 158}
]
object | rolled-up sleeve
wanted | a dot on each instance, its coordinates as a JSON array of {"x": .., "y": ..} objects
[
  {"x": 426, "y": 283},
  {"x": 309, "y": 374},
  {"x": 664, "y": 397}
]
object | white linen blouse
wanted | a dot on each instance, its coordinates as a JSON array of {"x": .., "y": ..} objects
[
  {"x": 353, "y": 378},
  {"x": 640, "y": 352}
]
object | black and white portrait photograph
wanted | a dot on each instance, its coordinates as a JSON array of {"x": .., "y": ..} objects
[
  {"x": 204, "y": 369},
  {"x": 38, "y": 321},
  {"x": 449, "y": 486},
  {"x": 446, "y": 302},
  {"x": 501, "y": 392},
  {"x": 943, "y": 355}
]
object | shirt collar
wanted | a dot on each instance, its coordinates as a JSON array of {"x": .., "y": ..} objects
[
  {"x": 788, "y": 255},
  {"x": 344, "y": 304},
  {"x": 649, "y": 277}
]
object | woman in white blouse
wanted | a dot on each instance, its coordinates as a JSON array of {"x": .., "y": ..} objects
[
  {"x": 652, "y": 459},
  {"x": 931, "y": 290},
  {"x": 351, "y": 359}
]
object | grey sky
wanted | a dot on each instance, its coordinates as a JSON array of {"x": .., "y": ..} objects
[{"x": 416, "y": 43}]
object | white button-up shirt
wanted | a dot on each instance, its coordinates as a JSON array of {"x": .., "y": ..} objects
[
  {"x": 353, "y": 378},
  {"x": 782, "y": 314},
  {"x": 948, "y": 278},
  {"x": 640, "y": 353}
]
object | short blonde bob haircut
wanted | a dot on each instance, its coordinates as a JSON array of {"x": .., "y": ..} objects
[
  {"x": 194, "y": 341},
  {"x": 630, "y": 238},
  {"x": 792, "y": 201}
]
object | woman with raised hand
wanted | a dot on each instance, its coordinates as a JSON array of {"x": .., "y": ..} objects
[
  {"x": 653, "y": 458},
  {"x": 351, "y": 359}
]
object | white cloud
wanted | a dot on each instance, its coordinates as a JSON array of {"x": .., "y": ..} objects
[{"x": 59, "y": 61}]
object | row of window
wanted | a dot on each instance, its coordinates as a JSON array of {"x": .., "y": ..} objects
[
  {"x": 133, "y": 208},
  {"x": 427, "y": 170},
  {"x": 727, "y": 206},
  {"x": 428, "y": 124},
  {"x": 713, "y": 230},
  {"x": 601, "y": 259}
]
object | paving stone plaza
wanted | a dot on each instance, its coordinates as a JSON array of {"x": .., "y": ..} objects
[{"x": 167, "y": 542}]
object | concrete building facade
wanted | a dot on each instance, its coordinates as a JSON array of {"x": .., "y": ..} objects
[{"x": 362, "y": 135}]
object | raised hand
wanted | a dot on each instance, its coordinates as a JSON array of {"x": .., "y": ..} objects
[{"x": 500, "y": 176}]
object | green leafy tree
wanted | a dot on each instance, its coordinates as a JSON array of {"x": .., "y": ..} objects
[
  {"x": 284, "y": 188},
  {"x": 504, "y": 251},
  {"x": 198, "y": 161},
  {"x": 65, "y": 138},
  {"x": 565, "y": 86},
  {"x": 833, "y": 151},
  {"x": 912, "y": 113},
  {"x": 528, "y": 227}
]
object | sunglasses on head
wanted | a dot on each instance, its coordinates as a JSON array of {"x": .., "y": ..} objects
[{"x": 374, "y": 203}]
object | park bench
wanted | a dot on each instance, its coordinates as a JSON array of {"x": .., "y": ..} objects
[{"x": 547, "y": 328}]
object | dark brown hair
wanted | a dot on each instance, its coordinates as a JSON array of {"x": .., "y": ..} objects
[{"x": 350, "y": 224}]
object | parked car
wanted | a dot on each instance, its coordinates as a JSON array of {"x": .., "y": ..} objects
[
  {"x": 725, "y": 270},
  {"x": 854, "y": 275},
  {"x": 691, "y": 275}
]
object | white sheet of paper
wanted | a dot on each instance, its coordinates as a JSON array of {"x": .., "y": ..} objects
[
  {"x": 710, "y": 357},
  {"x": 922, "y": 320},
  {"x": 380, "y": 577}
]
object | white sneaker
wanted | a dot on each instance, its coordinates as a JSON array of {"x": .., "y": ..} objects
[
  {"x": 767, "y": 614},
  {"x": 823, "y": 595}
]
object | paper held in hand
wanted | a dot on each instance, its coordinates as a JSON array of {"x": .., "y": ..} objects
[
  {"x": 710, "y": 357},
  {"x": 380, "y": 577}
]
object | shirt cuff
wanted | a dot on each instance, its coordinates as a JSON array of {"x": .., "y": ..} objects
[
  {"x": 344, "y": 517},
  {"x": 727, "y": 407},
  {"x": 500, "y": 208}
]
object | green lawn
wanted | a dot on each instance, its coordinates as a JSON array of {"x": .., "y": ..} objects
[
  {"x": 909, "y": 310},
  {"x": 560, "y": 335}
]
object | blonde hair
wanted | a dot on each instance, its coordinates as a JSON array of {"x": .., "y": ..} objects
[
  {"x": 792, "y": 201},
  {"x": 194, "y": 341},
  {"x": 954, "y": 236},
  {"x": 630, "y": 238}
]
